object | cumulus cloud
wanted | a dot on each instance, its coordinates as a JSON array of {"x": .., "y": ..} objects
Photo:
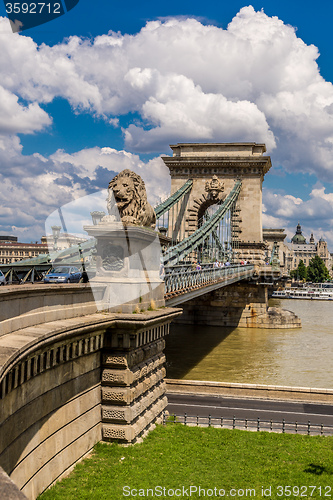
[
  {"x": 188, "y": 81},
  {"x": 254, "y": 81},
  {"x": 35, "y": 185},
  {"x": 317, "y": 208},
  {"x": 315, "y": 214},
  {"x": 16, "y": 118},
  {"x": 183, "y": 81},
  {"x": 180, "y": 110}
]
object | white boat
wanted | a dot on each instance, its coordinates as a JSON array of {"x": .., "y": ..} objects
[
  {"x": 280, "y": 294},
  {"x": 313, "y": 293}
]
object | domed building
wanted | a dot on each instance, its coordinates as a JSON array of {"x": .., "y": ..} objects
[
  {"x": 301, "y": 250},
  {"x": 298, "y": 238},
  {"x": 290, "y": 254}
]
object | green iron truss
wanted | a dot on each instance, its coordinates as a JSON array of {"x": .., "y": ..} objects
[
  {"x": 173, "y": 199},
  {"x": 177, "y": 253}
]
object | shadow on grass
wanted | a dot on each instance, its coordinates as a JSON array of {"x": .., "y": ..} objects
[{"x": 317, "y": 470}]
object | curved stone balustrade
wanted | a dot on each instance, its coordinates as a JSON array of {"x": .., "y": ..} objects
[{"x": 28, "y": 305}]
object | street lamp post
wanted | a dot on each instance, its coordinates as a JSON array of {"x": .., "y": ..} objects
[
  {"x": 56, "y": 233},
  {"x": 84, "y": 271}
]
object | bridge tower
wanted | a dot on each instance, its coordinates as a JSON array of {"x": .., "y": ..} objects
[{"x": 214, "y": 168}]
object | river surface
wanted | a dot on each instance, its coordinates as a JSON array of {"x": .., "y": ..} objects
[{"x": 301, "y": 357}]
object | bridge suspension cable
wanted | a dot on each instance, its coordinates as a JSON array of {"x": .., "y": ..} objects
[
  {"x": 171, "y": 213},
  {"x": 177, "y": 253},
  {"x": 173, "y": 199}
]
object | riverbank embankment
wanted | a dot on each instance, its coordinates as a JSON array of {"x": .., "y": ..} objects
[{"x": 260, "y": 391}]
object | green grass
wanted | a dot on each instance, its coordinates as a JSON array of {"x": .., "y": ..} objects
[{"x": 174, "y": 456}]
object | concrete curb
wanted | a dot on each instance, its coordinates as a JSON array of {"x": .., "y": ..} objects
[{"x": 236, "y": 390}]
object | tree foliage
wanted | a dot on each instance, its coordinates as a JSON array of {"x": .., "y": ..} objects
[
  {"x": 300, "y": 273},
  {"x": 317, "y": 272}
]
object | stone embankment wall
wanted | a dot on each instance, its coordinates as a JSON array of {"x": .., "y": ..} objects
[
  {"x": 242, "y": 304},
  {"x": 259, "y": 391},
  {"x": 66, "y": 384}
]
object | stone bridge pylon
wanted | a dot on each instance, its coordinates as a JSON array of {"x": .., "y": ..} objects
[{"x": 214, "y": 168}]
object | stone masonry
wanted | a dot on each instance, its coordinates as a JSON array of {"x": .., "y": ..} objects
[
  {"x": 73, "y": 380},
  {"x": 133, "y": 387},
  {"x": 228, "y": 162},
  {"x": 239, "y": 305}
]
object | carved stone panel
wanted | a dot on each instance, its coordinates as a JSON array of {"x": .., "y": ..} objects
[
  {"x": 215, "y": 188},
  {"x": 112, "y": 257}
]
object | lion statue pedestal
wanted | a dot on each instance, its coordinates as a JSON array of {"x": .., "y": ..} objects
[
  {"x": 128, "y": 263},
  {"x": 128, "y": 256}
]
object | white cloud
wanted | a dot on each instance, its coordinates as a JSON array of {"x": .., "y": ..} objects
[
  {"x": 179, "y": 109},
  {"x": 254, "y": 81},
  {"x": 85, "y": 162},
  {"x": 16, "y": 118},
  {"x": 315, "y": 214},
  {"x": 31, "y": 187},
  {"x": 318, "y": 207}
]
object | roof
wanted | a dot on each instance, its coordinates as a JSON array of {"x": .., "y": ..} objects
[
  {"x": 13, "y": 244},
  {"x": 298, "y": 236}
]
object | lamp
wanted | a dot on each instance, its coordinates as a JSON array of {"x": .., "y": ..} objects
[
  {"x": 56, "y": 233},
  {"x": 97, "y": 217}
]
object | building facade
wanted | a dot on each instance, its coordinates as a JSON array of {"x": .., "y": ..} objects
[
  {"x": 65, "y": 240},
  {"x": 291, "y": 254},
  {"x": 12, "y": 251}
]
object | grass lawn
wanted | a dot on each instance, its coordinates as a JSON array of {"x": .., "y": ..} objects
[{"x": 175, "y": 456}]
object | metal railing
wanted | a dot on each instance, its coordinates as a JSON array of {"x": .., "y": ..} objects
[
  {"x": 258, "y": 424},
  {"x": 179, "y": 278}
]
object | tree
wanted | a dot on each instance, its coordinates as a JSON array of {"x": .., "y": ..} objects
[
  {"x": 317, "y": 272},
  {"x": 300, "y": 272}
]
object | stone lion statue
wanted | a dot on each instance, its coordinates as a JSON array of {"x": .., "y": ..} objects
[{"x": 130, "y": 195}]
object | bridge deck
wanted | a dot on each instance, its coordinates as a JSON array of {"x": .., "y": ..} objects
[{"x": 184, "y": 284}]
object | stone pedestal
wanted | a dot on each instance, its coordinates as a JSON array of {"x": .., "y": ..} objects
[
  {"x": 128, "y": 263},
  {"x": 133, "y": 387}
]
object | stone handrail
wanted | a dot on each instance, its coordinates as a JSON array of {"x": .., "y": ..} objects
[{"x": 33, "y": 304}]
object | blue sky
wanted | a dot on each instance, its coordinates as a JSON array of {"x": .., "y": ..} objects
[{"x": 110, "y": 85}]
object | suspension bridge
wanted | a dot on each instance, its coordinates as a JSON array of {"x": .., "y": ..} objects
[
  {"x": 209, "y": 227},
  {"x": 91, "y": 373}
]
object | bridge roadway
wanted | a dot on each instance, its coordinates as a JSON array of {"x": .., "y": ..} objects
[{"x": 183, "y": 283}]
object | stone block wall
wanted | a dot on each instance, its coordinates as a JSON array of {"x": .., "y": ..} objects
[
  {"x": 67, "y": 384},
  {"x": 133, "y": 392},
  {"x": 51, "y": 409},
  {"x": 243, "y": 304}
]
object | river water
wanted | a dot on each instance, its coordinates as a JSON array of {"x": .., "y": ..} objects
[{"x": 301, "y": 357}]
